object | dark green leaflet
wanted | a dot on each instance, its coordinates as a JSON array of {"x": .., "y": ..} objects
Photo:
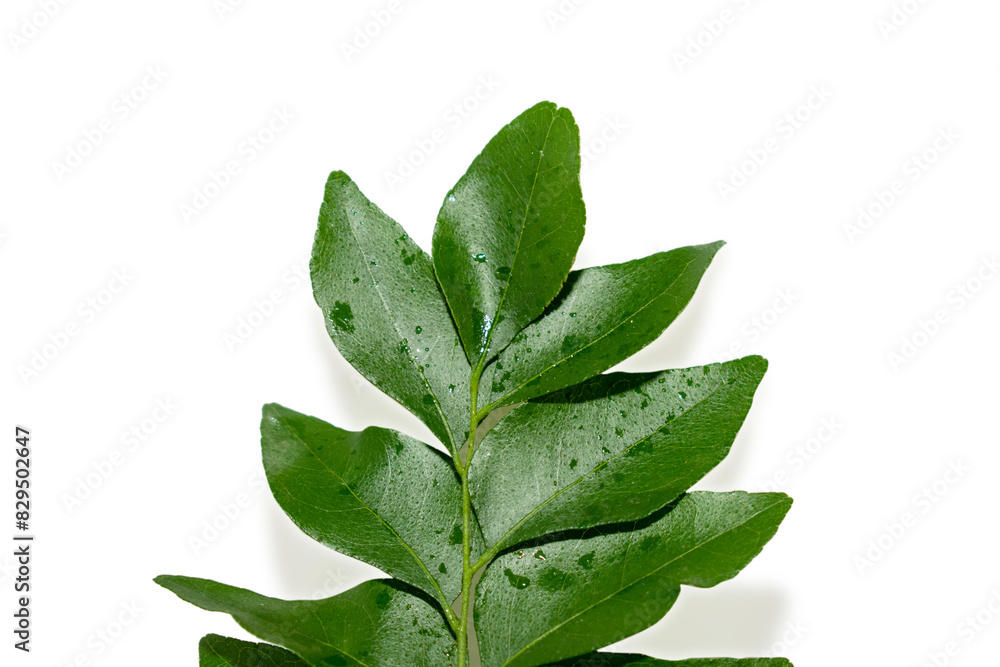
[
  {"x": 380, "y": 622},
  {"x": 579, "y": 588},
  {"x": 217, "y": 651},
  {"x": 508, "y": 231},
  {"x": 602, "y": 316},
  {"x": 377, "y": 495},
  {"x": 611, "y": 449},
  {"x": 385, "y": 312}
]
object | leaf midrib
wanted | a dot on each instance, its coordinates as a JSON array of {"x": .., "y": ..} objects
[
  {"x": 409, "y": 549},
  {"x": 520, "y": 235},
  {"x": 203, "y": 588},
  {"x": 638, "y": 579},
  {"x": 510, "y": 394},
  {"x": 452, "y": 445},
  {"x": 269, "y": 659},
  {"x": 621, "y": 453},
  {"x": 325, "y": 642}
]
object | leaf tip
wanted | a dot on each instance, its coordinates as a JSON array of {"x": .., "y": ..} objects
[
  {"x": 782, "y": 500},
  {"x": 546, "y": 104},
  {"x": 338, "y": 177},
  {"x": 336, "y": 183},
  {"x": 168, "y": 581},
  {"x": 757, "y": 363},
  {"x": 271, "y": 409}
]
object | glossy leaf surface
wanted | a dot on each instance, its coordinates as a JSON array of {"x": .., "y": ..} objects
[
  {"x": 566, "y": 524},
  {"x": 377, "y": 495},
  {"x": 385, "y": 312},
  {"x": 218, "y": 651},
  {"x": 509, "y": 230},
  {"x": 614, "y": 448},
  {"x": 555, "y": 600},
  {"x": 603, "y": 315},
  {"x": 379, "y": 622}
]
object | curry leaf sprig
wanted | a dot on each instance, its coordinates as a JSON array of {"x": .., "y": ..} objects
[{"x": 573, "y": 509}]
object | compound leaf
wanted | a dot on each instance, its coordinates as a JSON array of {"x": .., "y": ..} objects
[
  {"x": 580, "y": 491},
  {"x": 603, "y": 315},
  {"x": 614, "y": 448},
  {"x": 377, "y": 495},
  {"x": 559, "y": 599},
  {"x": 380, "y": 622},
  {"x": 385, "y": 312},
  {"x": 509, "y": 230},
  {"x": 218, "y": 651}
]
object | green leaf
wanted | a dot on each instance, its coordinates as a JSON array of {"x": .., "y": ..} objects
[
  {"x": 602, "y": 316},
  {"x": 376, "y": 495},
  {"x": 614, "y": 448},
  {"x": 385, "y": 311},
  {"x": 580, "y": 481},
  {"x": 629, "y": 610},
  {"x": 217, "y": 651},
  {"x": 564, "y": 598},
  {"x": 509, "y": 230},
  {"x": 633, "y": 660},
  {"x": 380, "y": 622}
]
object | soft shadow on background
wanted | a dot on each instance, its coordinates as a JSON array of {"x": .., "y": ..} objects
[
  {"x": 306, "y": 569},
  {"x": 680, "y": 346},
  {"x": 729, "y": 620},
  {"x": 674, "y": 348}
]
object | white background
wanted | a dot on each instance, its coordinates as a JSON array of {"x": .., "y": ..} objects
[{"x": 672, "y": 132}]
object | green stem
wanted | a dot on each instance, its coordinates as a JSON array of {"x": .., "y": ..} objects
[
  {"x": 487, "y": 557},
  {"x": 463, "y": 471},
  {"x": 463, "y": 630},
  {"x": 468, "y": 571}
]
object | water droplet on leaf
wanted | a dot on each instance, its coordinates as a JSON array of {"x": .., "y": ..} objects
[
  {"x": 515, "y": 580},
  {"x": 341, "y": 316}
]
